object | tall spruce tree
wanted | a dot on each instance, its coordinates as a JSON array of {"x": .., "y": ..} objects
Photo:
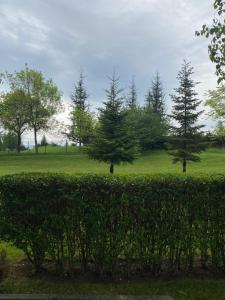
[
  {"x": 81, "y": 129},
  {"x": 80, "y": 96},
  {"x": 186, "y": 141},
  {"x": 114, "y": 142},
  {"x": 132, "y": 96},
  {"x": 155, "y": 97},
  {"x": 148, "y": 99}
]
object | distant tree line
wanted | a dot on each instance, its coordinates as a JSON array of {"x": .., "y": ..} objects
[{"x": 123, "y": 128}]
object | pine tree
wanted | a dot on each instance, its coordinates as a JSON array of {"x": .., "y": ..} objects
[
  {"x": 186, "y": 141},
  {"x": 148, "y": 99},
  {"x": 132, "y": 96},
  {"x": 79, "y": 96},
  {"x": 113, "y": 143},
  {"x": 81, "y": 129},
  {"x": 44, "y": 141},
  {"x": 155, "y": 97}
]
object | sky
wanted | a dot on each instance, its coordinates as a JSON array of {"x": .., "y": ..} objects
[{"x": 137, "y": 38}]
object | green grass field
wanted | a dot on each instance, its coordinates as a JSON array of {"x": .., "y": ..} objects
[{"x": 56, "y": 160}]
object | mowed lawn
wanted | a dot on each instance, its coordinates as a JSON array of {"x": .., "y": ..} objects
[{"x": 212, "y": 161}]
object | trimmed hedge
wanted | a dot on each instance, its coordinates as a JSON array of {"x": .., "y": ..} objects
[{"x": 158, "y": 224}]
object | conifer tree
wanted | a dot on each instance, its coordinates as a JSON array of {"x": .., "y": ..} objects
[
  {"x": 114, "y": 142},
  {"x": 132, "y": 96},
  {"x": 81, "y": 129},
  {"x": 148, "y": 99},
  {"x": 155, "y": 97},
  {"x": 186, "y": 141},
  {"x": 44, "y": 142},
  {"x": 79, "y": 96}
]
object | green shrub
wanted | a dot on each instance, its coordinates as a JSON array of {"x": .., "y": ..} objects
[{"x": 155, "y": 223}]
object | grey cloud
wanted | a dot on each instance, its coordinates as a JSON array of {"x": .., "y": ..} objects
[{"x": 136, "y": 37}]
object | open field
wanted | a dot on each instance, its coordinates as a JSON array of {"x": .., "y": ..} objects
[{"x": 213, "y": 161}]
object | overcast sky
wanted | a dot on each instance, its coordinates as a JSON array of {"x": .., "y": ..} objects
[{"x": 136, "y": 37}]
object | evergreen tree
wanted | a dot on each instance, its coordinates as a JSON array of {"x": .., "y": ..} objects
[
  {"x": 80, "y": 96},
  {"x": 186, "y": 141},
  {"x": 154, "y": 121},
  {"x": 44, "y": 141},
  {"x": 114, "y": 142},
  {"x": 155, "y": 97},
  {"x": 132, "y": 96},
  {"x": 148, "y": 99},
  {"x": 147, "y": 128},
  {"x": 81, "y": 129}
]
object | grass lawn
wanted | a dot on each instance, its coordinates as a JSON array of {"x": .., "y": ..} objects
[{"x": 213, "y": 161}]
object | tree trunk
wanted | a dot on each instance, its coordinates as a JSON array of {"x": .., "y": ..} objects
[
  {"x": 35, "y": 140},
  {"x": 18, "y": 142},
  {"x": 111, "y": 170},
  {"x": 184, "y": 165}
]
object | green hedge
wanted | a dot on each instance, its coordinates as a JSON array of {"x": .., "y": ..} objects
[{"x": 158, "y": 224}]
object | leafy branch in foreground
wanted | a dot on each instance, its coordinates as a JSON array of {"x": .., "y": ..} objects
[{"x": 216, "y": 32}]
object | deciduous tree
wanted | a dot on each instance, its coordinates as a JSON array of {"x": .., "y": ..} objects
[
  {"x": 44, "y": 97},
  {"x": 14, "y": 113},
  {"x": 216, "y": 102},
  {"x": 216, "y": 33}
]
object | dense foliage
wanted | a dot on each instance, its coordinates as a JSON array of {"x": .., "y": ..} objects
[
  {"x": 9, "y": 142},
  {"x": 114, "y": 142},
  {"x": 216, "y": 102},
  {"x": 41, "y": 96},
  {"x": 113, "y": 224},
  {"x": 147, "y": 127},
  {"x": 14, "y": 114},
  {"x": 155, "y": 98},
  {"x": 216, "y": 33},
  {"x": 81, "y": 129}
]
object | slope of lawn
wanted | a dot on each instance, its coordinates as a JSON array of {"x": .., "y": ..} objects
[{"x": 56, "y": 160}]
